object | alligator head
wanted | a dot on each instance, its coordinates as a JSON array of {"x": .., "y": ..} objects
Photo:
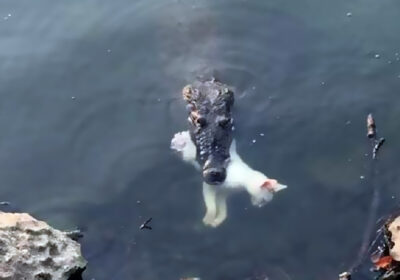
[{"x": 210, "y": 119}]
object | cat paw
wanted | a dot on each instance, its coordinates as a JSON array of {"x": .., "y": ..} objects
[
  {"x": 179, "y": 141},
  {"x": 217, "y": 221},
  {"x": 184, "y": 147},
  {"x": 208, "y": 220}
]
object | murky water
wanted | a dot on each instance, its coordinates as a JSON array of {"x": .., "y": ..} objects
[{"x": 90, "y": 98}]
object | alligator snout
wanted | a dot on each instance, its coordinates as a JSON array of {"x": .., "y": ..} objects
[
  {"x": 214, "y": 176},
  {"x": 210, "y": 118}
]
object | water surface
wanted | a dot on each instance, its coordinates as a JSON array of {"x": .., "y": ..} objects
[{"x": 90, "y": 98}]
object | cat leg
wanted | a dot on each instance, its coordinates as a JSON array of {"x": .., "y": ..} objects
[
  {"x": 184, "y": 146},
  {"x": 221, "y": 208},
  {"x": 210, "y": 200}
]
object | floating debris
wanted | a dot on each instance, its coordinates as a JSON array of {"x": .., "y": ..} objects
[
  {"x": 345, "y": 276},
  {"x": 377, "y": 56},
  {"x": 145, "y": 225},
  {"x": 349, "y": 14},
  {"x": 75, "y": 234},
  {"x": 4, "y": 203},
  {"x": 362, "y": 177},
  {"x": 254, "y": 141},
  {"x": 384, "y": 262},
  {"x": 371, "y": 127},
  {"x": 262, "y": 134},
  {"x": 73, "y": 97}
]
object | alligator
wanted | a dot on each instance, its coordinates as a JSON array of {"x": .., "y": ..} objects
[
  {"x": 239, "y": 176},
  {"x": 209, "y": 147},
  {"x": 209, "y": 104}
]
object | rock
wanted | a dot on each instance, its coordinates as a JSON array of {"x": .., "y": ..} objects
[
  {"x": 387, "y": 255},
  {"x": 394, "y": 228},
  {"x": 32, "y": 250}
]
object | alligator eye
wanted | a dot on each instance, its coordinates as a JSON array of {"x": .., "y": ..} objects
[
  {"x": 201, "y": 121},
  {"x": 190, "y": 107},
  {"x": 187, "y": 93},
  {"x": 224, "y": 122}
]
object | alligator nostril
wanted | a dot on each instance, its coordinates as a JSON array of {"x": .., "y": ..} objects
[
  {"x": 214, "y": 175},
  {"x": 201, "y": 121}
]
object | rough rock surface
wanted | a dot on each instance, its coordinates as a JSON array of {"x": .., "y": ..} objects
[
  {"x": 32, "y": 250},
  {"x": 394, "y": 229}
]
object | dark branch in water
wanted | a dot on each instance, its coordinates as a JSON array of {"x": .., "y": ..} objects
[
  {"x": 372, "y": 134},
  {"x": 377, "y": 146},
  {"x": 145, "y": 225},
  {"x": 366, "y": 243}
]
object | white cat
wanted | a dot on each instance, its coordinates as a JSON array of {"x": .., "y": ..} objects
[{"x": 239, "y": 177}]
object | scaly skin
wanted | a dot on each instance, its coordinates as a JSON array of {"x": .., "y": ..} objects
[{"x": 210, "y": 126}]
